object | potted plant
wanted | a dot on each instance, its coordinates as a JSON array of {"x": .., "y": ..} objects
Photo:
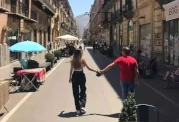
[
  {"x": 24, "y": 30},
  {"x": 57, "y": 54},
  {"x": 50, "y": 58},
  {"x": 6, "y": 28},
  {"x": 129, "y": 112}
]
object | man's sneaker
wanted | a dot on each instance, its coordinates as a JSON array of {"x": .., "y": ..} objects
[
  {"x": 83, "y": 110},
  {"x": 78, "y": 112}
]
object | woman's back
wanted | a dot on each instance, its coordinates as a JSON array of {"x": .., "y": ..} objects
[{"x": 78, "y": 65}]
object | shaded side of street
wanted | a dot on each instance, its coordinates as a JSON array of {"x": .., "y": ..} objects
[{"x": 150, "y": 91}]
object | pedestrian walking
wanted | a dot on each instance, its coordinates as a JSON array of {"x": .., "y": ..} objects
[
  {"x": 128, "y": 72},
  {"x": 78, "y": 80}
]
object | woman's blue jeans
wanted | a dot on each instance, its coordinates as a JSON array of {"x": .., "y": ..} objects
[{"x": 127, "y": 86}]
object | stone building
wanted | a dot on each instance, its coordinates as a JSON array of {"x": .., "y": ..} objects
[
  {"x": 36, "y": 20},
  {"x": 149, "y": 25},
  {"x": 134, "y": 23},
  {"x": 96, "y": 17}
]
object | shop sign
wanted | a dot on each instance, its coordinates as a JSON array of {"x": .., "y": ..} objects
[{"x": 172, "y": 10}]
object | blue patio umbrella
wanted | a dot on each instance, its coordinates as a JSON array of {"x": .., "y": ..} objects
[{"x": 27, "y": 47}]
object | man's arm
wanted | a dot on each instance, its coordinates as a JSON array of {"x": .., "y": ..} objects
[
  {"x": 108, "y": 67},
  {"x": 136, "y": 71},
  {"x": 116, "y": 62}
]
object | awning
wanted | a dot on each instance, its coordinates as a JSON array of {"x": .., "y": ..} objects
[{"x": 171, "y": 10}]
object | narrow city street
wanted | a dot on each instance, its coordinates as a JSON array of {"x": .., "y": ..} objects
[{"x": 54, "y": 100}]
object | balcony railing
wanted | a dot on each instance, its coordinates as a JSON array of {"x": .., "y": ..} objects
[
  {"x": 118, "y": 13},
  {"x": 128, "y": 6},
  {"x": 4, "y": 6},
  {"x": 20, "y": 8},
  {"x": 113, "y": 15},
  {"x": 46, "y": 4},
  {"x": 127, "y": 9}
]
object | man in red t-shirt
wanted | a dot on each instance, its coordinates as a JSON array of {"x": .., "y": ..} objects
[{"x": 128, "y": 72}]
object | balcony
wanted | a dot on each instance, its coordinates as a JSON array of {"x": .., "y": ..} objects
[
  {"x": 127, "y": 9},
  {"x": 4, "y": 7},
  {"x": 119, "y": 15},
  {"x": 113, "y": 16},
  {"x": 107, "y": 5},
  {"x": 116, "y": 16},
  {"x": 19, "y": 10},
  {"x": 45, "y": 6}
]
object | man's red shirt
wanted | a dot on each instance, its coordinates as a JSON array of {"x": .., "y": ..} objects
[{"x": 127, "y": 66}]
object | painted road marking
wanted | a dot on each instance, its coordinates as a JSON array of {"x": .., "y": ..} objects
[
  {"x": 26, "y": 97},
  {"x": 158, "y": 92}
]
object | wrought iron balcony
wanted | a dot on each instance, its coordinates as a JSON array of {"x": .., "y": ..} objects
[
  {"x": 20, "y": 9},
  {"x": 127, "y": 9},
  {"x": 116, "y": 16},
  {"x": 45, "y": 5},
  {"x": 113, "y": 15},
  {"x": 4, "y": 7}
]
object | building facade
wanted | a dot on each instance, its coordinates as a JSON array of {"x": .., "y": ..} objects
[
  {"x": 141, "y": 24},
  {"x": 96, "y": 18},
  {"x": 36, "y": 20}
]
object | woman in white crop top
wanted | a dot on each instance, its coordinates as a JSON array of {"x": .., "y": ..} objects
[{"x": 78, "y": 80}]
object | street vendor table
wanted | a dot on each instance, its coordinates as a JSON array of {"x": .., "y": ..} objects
[{"x": 38, "y": 73}]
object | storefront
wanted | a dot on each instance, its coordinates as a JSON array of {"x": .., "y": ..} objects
[{"x": 171, "y": 34}]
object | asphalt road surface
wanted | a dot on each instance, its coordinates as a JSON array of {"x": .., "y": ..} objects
[{"x": 54, "y": 101}]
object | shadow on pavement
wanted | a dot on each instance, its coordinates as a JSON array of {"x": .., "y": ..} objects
[
  {"x": 116, "y": 115},
  {"x": 71, "y": 114},
  {"x": 1, "y": 114},
  {"x": 114, "y": 80},
  {"x": 149, "y": 92}
]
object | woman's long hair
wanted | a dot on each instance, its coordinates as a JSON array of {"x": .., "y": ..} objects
[{"x": 76, "y": 59}]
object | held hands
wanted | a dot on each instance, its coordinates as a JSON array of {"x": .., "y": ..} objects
[{"x": 99, "y": 73}]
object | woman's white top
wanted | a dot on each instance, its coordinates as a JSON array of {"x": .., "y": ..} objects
[{"x": 81, "y": 69}]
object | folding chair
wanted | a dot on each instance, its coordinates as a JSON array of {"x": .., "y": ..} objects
[
  {"x": 13, "y": 83},
  {"x": 147, "y": 113}
]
